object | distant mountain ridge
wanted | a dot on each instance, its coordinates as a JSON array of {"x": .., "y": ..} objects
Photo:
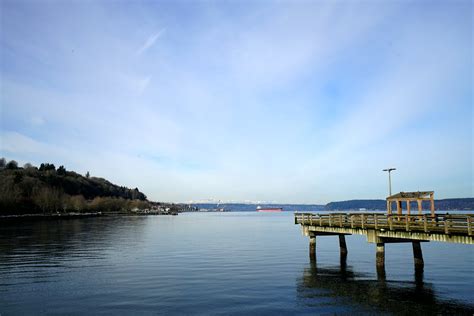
[
  {"x": 442, "y": 204},
  {"x": 244, "y": 207},
  {"x": 369, "y": 204}
]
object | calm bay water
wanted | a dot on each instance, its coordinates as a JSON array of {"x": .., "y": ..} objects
[{"x": 218, "y": 263}]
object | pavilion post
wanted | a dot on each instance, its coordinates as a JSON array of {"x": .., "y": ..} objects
[
  {"x": 399, "y": 207},
  {"x": 432, "y": 204}
]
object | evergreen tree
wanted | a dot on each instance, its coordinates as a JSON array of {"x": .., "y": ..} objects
[
  {"x": 61, "y": 171},
  {"x": 12, "y": 164}
]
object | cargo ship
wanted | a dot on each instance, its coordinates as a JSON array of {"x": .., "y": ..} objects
[{"x": 269, "y": 209}]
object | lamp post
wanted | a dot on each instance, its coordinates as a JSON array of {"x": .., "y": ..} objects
[{"x": 389, "y": 180}]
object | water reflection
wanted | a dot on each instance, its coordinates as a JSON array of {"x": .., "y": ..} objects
[
  {"x": 61, "y": 243},
  {"x": 348, "y": 287}
]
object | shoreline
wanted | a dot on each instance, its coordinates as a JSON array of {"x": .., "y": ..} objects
[
  {"x": 72, "y": 215},
  {"x": 21, "y": 217}
]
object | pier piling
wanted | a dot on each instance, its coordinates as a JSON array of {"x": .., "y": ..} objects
[
  {"x": 417, "y": 254},
  {"x": 342, "y": 245},
  {"x": 312, "y": 247},
  {"x": 380, "y": 254},
  {"x": 381, "y": 275}
]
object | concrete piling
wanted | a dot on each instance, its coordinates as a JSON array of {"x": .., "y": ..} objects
[
  {"x": 380, "y": 255},
  {"x": 417, "y": 254},
  {"x": 312, "y": 247},
  {"x": 342, "y": 245}
]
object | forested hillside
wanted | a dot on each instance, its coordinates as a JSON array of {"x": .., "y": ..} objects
[{"x": 46, "y": 189}]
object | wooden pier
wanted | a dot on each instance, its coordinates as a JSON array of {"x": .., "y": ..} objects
[{"x": 381, "y": 228}]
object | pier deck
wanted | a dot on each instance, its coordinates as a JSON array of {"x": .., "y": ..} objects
[
  {"x": 456, "y": 228},
  {"x": 388, "y": 228}
]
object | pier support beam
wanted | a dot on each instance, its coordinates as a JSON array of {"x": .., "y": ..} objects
[
  {"x": 417, "y": 254},
  {"x": 342, "y": 245},
  {"x": 380, "y": 255},
  {"x": 343, "y": 249},
  {"x": 380, "y": 261},
  {"x": 381, "y": 275},
  {"x": 312, "y": 247}
]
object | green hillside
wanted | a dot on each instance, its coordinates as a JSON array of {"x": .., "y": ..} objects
[{"x": 47, "y": 189}]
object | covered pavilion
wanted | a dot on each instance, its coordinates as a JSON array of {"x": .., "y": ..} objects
[{"x": 409, "y": 197}]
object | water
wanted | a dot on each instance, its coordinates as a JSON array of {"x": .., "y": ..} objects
[{"x": 218, "y": 263}]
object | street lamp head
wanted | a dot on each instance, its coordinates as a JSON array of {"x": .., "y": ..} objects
[{"x": 389, "y": 169}]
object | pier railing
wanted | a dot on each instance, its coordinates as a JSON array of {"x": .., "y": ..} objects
[{"x": 458, "y": 224}]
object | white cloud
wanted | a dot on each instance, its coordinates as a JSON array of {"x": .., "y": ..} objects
[{"x": 149, "y": 42}]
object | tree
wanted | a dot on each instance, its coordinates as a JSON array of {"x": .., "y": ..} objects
[
  {"x": 29, "y": 185},
  {"x": 18, "y": 177},
  {"x": 137, "y": 204},
  {"x": 3, "y": 163},
  {"x": 135, "y": 194},
  {"x": 46, "y": 167},
  {"x": 10, "y": 196},
  {"x": 48, "y": 199},
  {"x": 76, "y": 203},
  {"x": 61, "y": 171},
  {"x": 87, "y": 175},
  {"x": 27, "y": 166},
  {"x": 12, "y": 164}
]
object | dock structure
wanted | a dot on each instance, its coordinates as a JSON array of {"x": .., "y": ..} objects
[{"x": 382, "y": 229}]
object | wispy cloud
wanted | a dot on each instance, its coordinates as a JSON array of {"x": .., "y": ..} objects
[{"x": 151, "y": 40}]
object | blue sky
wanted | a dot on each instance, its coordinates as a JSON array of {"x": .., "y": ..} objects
[{"x": 298, "y": 102}]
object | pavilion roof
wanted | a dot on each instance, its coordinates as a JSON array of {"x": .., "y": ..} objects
[{"x": 411, "y": 195}]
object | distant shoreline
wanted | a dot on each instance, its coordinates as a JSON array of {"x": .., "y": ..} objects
[{"x": 21, "y": 217}]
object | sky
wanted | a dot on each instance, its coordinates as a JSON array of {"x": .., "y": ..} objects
[{"x": 276, "y": 101}]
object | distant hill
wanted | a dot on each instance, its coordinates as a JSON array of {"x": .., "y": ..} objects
[
  {"x": 455, "y": 204},
  {"x": 443, "y": 204},
  {"x": 242, "y": 207},
  {"x": 49, "y": 189},
  {"x": 356, "y": 204}
]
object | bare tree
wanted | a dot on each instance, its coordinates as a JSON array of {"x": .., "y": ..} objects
[
  {"x": 10, "y": 195},
  {"x": 48, "y": 199},
  {"x": 77, "y": 203}
]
